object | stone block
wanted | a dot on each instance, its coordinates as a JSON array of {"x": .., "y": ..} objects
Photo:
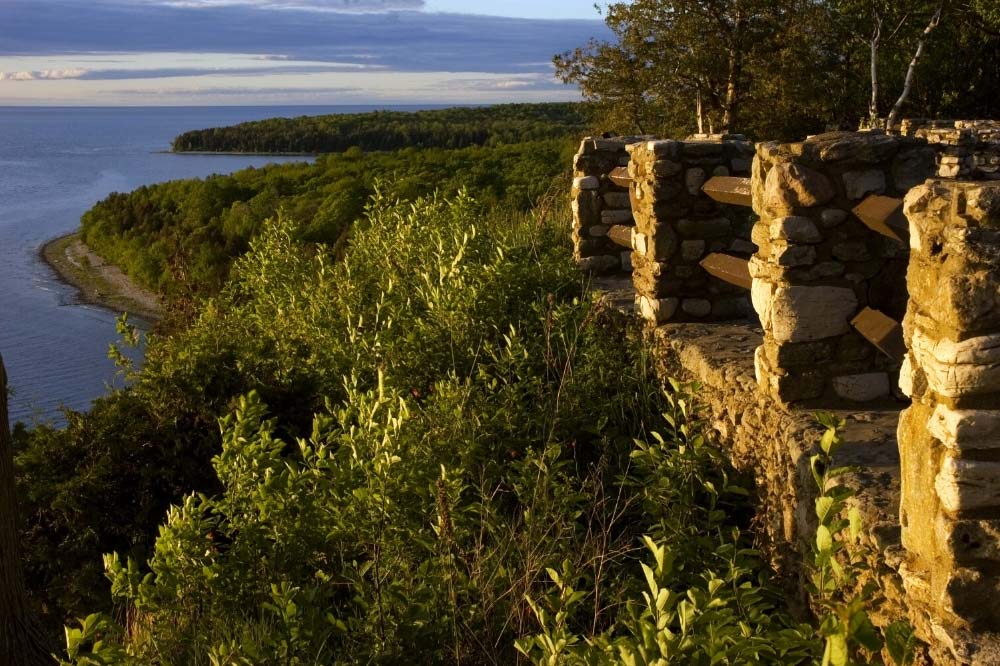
[
  {"x": 789, "y": 186},
  {"x": 967, "y": 485},
  {"x": 969, "y": 542},
  {"x": 697, "y": 307},
  {"x": 692, "y": 250},
  {"x": 957, "y": 369},
  {"x": 617, "y": 200},
  {"x": 965, "y": 430},
  {"x": 598, "y": 230},
  {"x": 795, "y": 229},
  {"x": 666, "y": 168},
  {"x": 587, "y": 183},
  {"x": 600, "y": 264},
  {"x": 658, "y": 310},
  {"x": 862, "y": 388},
  {"x": 702, "y": 229},
  {"x": 793, "y": 255},
  {"x": 832, "y": 217},
  {"x": 803, "y": 313},
  {"x": 610, "y": 217},
  {"x": 693, "y": 180},
  {"x": 912, "y": 167},
  {"x": 858, "y": 184}
]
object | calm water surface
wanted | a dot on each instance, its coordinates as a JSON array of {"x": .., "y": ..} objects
[{"x": 54, "y": 165}]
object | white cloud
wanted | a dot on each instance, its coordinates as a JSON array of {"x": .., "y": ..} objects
[{"x": 43, "y": 74}]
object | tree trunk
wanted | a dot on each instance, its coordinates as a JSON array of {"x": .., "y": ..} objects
[
  {"x": 700, "y": 111},
  {"x": 20, "y": 641},
  {"x": 730, "y": 114},
  {"x": 873, "y": 117},
  {"x": 908, "y": 82}
]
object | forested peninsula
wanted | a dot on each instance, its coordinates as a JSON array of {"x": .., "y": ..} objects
[{"x": 392, "y": 130}]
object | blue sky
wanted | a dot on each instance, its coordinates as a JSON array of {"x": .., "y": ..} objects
[{"x": 212, "y": 52}]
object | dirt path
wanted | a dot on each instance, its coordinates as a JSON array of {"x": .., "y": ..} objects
[{"x": 98, "y": 281}]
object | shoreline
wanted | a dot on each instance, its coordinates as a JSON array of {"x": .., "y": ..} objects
[
  {"x": 231, "y": 153},
  {"x": 96, "y": 281}
]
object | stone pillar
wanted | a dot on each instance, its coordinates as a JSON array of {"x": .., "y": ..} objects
[
  {"x": 599, "y": 204},
  {"x": 818, "y": 265},
  {"x": 949, "y": 439},
  {"x": 965, "y": 148},
  {"x": 677, "y": 225}
]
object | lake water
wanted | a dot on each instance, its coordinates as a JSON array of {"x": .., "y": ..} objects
[{"x": 55, "y": 163}]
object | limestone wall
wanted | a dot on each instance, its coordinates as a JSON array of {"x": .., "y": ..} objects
[
  {"x": 949, "y": 438},
  {"x": 599, "y": 205},
  {"x": 818, "y": 265},
  {"x": 677, "y": 225},
  {"x": 966, "y": 148}
]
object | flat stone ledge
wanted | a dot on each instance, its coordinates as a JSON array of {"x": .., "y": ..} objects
[{"x": 774, "y": 443}]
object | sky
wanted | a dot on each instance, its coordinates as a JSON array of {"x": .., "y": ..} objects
[{"x": 287, "y": 52}]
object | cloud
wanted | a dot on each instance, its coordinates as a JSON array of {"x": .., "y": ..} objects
[
  {"x": 397, "y": 40},
  {"x": 43, "y": 75}
]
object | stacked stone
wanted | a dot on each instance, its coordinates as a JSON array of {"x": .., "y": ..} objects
[
  {"x": 949, "y": 439},
  {"x": 966, "y": 148},
  {"x": 818, "y": 265},
  {"x": 599, "y": 205},
  {"x": 677, "y": 225}
]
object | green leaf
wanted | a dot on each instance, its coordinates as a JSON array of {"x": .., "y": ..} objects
[{"x": 824, "y": 540}]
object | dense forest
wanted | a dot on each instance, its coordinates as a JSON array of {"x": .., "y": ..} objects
[
  {"x": 180, "y": 237},
  {"x": 392, "y": 130}
]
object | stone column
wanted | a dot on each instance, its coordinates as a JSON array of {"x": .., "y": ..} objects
[
  {"x": 599, "y": 204},
  {"x": 677, "y": 225},
  {"x": 818, "y": 265},
  {"x": 949, "y": 439}
]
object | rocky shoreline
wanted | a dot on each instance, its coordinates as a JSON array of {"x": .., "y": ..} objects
[{"x": 97, "y": 281}]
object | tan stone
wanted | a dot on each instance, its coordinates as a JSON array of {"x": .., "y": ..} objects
[
  {"x": 967, "y": 485},
  {"x": 862, "y": 388},
  {"x": 955, "y": 369},
  {"x": 795, "y": 229},
  {"x": 587, "y": 183},
  {"x": 789, "y": 186},
  {"x": 966, "y": 430},
  {"x": 658, "y": 310},
  {"x": 803, "y": 313}
]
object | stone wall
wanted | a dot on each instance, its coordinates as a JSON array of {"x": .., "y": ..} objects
[
  {"x": 601, "y": 209},
  {"x": 677, "y": 225},
  {"x": 949, "y": 438},
  {"x": 966, "y": 148},
  {"x": 818, "y": 265}
]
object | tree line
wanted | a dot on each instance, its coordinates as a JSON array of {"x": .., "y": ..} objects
[
  {"x": 392, "y": 130},
  {"x": 785, "y": 68}
]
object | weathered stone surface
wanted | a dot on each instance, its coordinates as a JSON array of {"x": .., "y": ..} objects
[
  {"x": 598, "y": 230},
  {"x": 969, "y": 542},
  {"x": 692, "y": 250},
  {"x": 832, "y": 217},
  {"x": 697, "y": 307},
  {"x": 794, "y": 255},
  {"x": 912, "y": 167},
  {"x": 658, "y": 310},
  {"x": 955, "y": 369},
  {"x": 867, "y": 147},
  {"x": 851, "y": 251},
  {"x": 587, "y": 183},
  {"x": 693, "y": 180},
  {"x": 712, "y": 228},
  {"x": 966, "y": 429},
  {"x": 616, "y": 216},
  {"x": 803, "y": 313},
  {"x": 666, "y": 168},
  {"x": 617, "y": 200},
  {"x": 858, "y": 184},
  {"x": 795, "y": 230},
  {"x": 862, "y": 388},
  {"x": 789, "y": 186},
  {"x": 968, "y": 485}
]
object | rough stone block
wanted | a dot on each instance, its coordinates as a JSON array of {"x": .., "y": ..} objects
[
  {"x": 617, "y": 200},
  {"x": 858, "y": 184},
  {"x": 697, "y": 307},
  {"x": 795, "y": 229},
  {"x": 600, "y": 264},
  {"x": 966, "y": 430},
  {"x": 616, "y": 216},
  {"x": 658, "y": 310},
  {"x": 956, "y": 369},
  {"x": 789, "y": 186},
  {"x": 862, "y": 388},
  {"x": 692, "y": 250},
  {"x": 968, "y": 485},
  {"x": 803, "y": 313},
  {"x": 587, "y": 183}
]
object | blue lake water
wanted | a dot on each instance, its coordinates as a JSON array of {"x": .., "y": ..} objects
[{"x": 55, "y": 163}]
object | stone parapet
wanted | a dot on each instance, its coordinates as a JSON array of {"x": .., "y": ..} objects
[
  {"x": 818, "y": 265},
  {"x": 950, "y": 437},
  {"x": 678, "y": 225},
  {"x": 966, "y": 148},
  {"x": 599, "y": 204}
]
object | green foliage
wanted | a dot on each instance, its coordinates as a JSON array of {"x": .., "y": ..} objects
[
  {"x": 180, "y": 237},
  {"x": 458, "y": 127},
  {"x": 844, "y": 583}
]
